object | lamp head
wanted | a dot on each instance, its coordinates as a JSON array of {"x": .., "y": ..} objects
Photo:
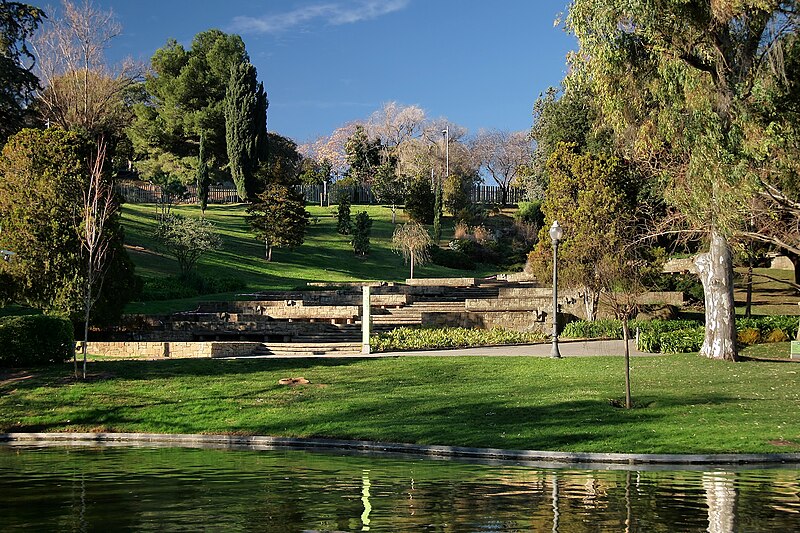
[{"x": 556, "y": 232}]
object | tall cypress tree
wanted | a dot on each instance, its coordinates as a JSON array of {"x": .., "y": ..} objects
[
  {"x": 241, "y": 127},
  {"x": 203, "y": 181}
]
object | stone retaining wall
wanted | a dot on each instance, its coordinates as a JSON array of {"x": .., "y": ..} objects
[
  {"x": 525, "y": 321},
  {"x": 171, "y": 349}
]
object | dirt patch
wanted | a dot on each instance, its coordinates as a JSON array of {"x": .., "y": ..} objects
[
  {"x": 292, "y": 382},
  {"x": 783, "y": 442}
]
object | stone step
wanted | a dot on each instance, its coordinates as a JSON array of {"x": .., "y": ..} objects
[{"x": 307, "y": 348}]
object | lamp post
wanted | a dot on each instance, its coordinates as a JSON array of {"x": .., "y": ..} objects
[{"x": 556, "y": 233}]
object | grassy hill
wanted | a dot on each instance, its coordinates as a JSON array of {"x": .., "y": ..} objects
[{"x": 325, "y": 255}]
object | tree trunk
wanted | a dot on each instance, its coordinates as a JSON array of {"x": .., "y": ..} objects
[
  {"x": 591, "y": 300},
  {"x": 715, "y": 269},
  {"x": 625, "y": 338},
  {"x": 749, "y": 285},
  {"x": 795, "y": 259},
  {"x": 394, "y": 214},
  {"x": 412, "y": 264},
  {"x": 268, "y": 250}
]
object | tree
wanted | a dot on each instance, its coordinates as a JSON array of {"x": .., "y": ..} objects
[
  {"x": 502, "y": 154},
  {"x": 18, "y": 22},
  {"x": 361, "y": 232},
  {"x": 99, "y": 209},
  {"x": 587, "y": 195},
  {"x": 186, "y": 239},
  {"x": 363, "y": 155},
  {"x": 675, "y": 81},
  {"x": 45, "y": 192},
  {"x": 413, "y": 242},
  {"x": 81, "y": 91},
  {"x": 203, "y": 182},
  {"x": 344, "y": 225},
  {"x": 279, "y": 217},
  {"x": 184, "y": 98},
  {"x": 420, "y": 200},
  {"x": 315, "y": 172},
  {"x": 244, "y": 100},
  {"x": 283, "y": 163}
]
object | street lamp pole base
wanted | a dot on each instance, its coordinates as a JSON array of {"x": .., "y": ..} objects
[{"x": 554, "y": 353}]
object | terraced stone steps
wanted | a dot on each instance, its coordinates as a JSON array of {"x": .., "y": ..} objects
[{"x": 307, "y": 348}]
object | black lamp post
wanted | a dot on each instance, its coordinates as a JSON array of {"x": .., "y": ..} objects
[{"x": 556, "y": 234}]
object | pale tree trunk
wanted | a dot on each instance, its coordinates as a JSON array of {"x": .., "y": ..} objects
[
  {"x": 412, "y": 264},
  {"x": 715, "y": 269},
  {"x": 394, "y": 214},
  {"x": 591, "y": 300},
  {"x": 721, "y": 501},
  {"x": 268, "y": 250}
]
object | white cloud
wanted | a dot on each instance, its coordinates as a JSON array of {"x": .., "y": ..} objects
[{"x": 332, "y": 13}]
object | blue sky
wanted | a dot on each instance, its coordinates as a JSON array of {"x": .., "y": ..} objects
[{"x": 479, "y": 63}]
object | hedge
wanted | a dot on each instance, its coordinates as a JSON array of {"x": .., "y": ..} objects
[{"x": 31, "y": 340}]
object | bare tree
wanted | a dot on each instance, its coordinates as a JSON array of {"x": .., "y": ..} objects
[
  {"x": 98, "y": 208},
  {"x": 394, "y": 124},
  {"x": 502, "y": 154},
  {"x": 80, "y": 88},
  {"x": 413, "y": 242}
]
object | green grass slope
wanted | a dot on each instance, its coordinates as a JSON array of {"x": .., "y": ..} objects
[{"x": 325, "y": 255}]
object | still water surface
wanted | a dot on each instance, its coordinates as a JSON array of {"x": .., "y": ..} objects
[{"x": 180, "y": 489}]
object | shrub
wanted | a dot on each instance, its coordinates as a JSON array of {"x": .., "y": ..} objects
[
  {"x": 420, "y": 200},
  {"x": 361, "y": 231},
  {"x": 35, "y": 340},
  {"x": 189, "y": 286},
  {"x": 343, "y": 224},
  {"x": 682, "y": 340},
  {"x": 530, "y": 213},
  {"x": 749, "y": 336},
  {"x": 432, "y": 338},
  {"x": 451, "y": 259},
  {"x": 776, "y": 335}
]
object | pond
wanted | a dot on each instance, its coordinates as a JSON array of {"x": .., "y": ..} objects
[{"x": 93, "y": 488}]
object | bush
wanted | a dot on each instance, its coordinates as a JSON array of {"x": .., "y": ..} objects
[
  {"x": 189, "y": 286},
  {"x": 530, "y": 213},
  {"x": 682, "y": 340},
  {"x": 361, "y": 231},
  {"x": 30, "y": 340},
  {"x": 432, "y": 338},
  {"x": 767, "y": 324},
  {"x": 420, "y": 200},
  {"x": 748, "y": 336},
  {"x": 343, "y": 224},
  {"x": 451, "y": 259}
]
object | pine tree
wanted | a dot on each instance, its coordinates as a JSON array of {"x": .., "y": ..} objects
[
  {"x": 279, "y": 217},
  {"x": 242, "y": 104},
  {"x": 361, "y": 231},
  {"x": 343, "y": 223}
]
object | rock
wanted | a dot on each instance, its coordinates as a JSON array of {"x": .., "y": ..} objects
[{"x": 658, "y": 312}]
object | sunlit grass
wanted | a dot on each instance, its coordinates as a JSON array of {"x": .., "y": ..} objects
[{"x": 685, "y": 403}]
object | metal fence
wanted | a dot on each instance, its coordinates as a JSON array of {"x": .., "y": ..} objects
[{"x": 141, "y": 192}]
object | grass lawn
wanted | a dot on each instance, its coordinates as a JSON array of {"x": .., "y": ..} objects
[
  {"x": 685, "y": 403},
  {"x": 325, "y": 255}
]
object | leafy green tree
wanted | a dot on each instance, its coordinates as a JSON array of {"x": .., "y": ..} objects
[
  {"x": 283, "y": 163},
  {"x": 587, "y": 196},
  {"x": 389, "y": 186},
  {"x": 420, "y": 200},
  {"x": 361, "y": 231},
  {"x": 344, "y": 224},
  {"x": 184, "y": 98},
  {"x": 186, "y": 239},
  {"x": 315, "y": 172},
  {"x": 675, "y": 81},
  {"x": 279, "y": 217},
  {"x": 45, "y": 176},
  {"x": 363, "y": 155},
  {"x": 243, "y": 125},
  {"x": 18, "y": 22}
]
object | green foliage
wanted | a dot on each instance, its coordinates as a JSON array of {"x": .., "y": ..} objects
[
  {"x": 682, "y": 340},
  {"x": 283, "y": 164},
  {"x": 203, "y": 181},
  {"x": 434, "y": 338},
  {"x": 451, "y": 259},
  {"x": 279, "y": 217},
  {"x": 41, "y": 196},
  {"x": 189, "y": 286},
  {"x": 530, "y": 213},
  {"x": 18, "y": 22},
  {"x": 361, "y": 231},
  {"x": 344, "y": 226},
  {"x": 420, "y": 201},
  {"x": 651, "y": 332},
  {"x": 186, "y": 239},
  {"x": 241, "y": 127},
  {"x": 765, "y": 325},
  {"x": 363, "y": 155},
  {"x": 183, "y": 99},
  {"x": 32, "y": 340}
]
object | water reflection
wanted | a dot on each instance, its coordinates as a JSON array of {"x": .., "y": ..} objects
[{"x": 168, "y": 489}]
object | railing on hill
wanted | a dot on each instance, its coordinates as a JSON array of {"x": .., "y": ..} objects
[{"x": 141, "y": 192}]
